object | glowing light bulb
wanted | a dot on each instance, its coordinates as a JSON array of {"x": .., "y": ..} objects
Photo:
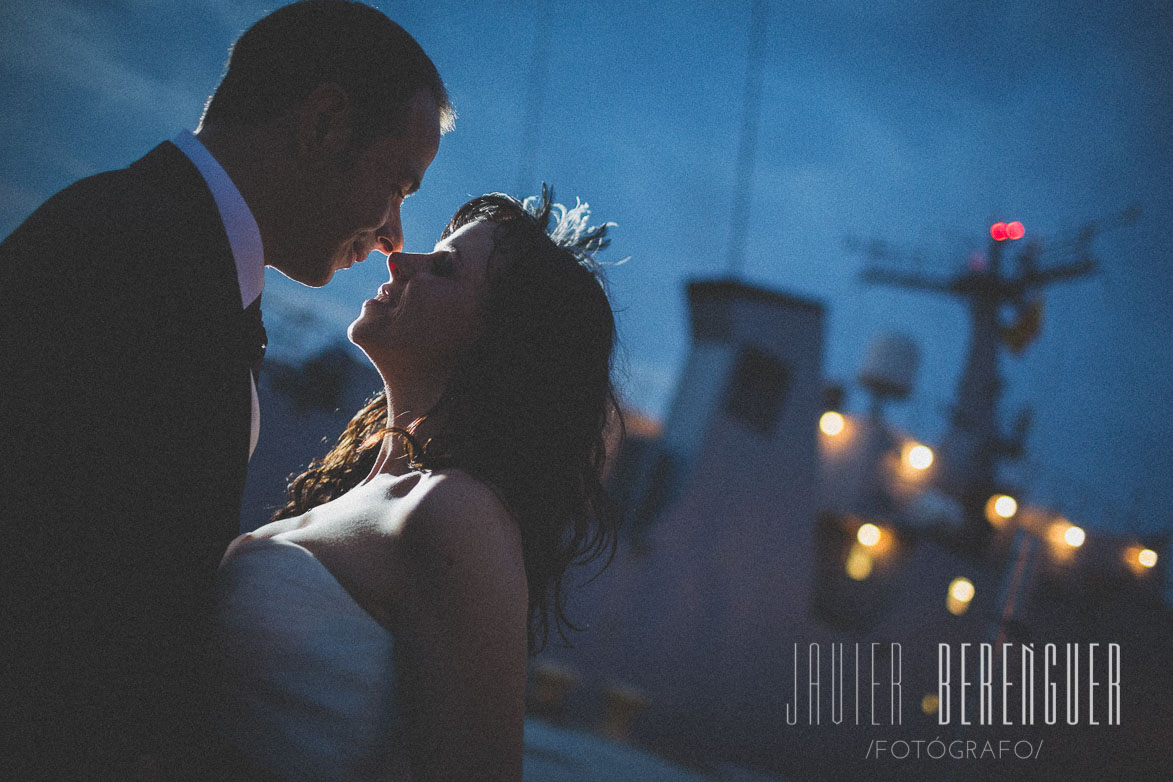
[
  {"x": 1000, "y": 508},
  {"x": 831, "y": 423},
  {"x": 1074, "y": 536},
  {"x": 1147, "y": 557},
  {"x": 1015, "y": 230},
  {"x": 998, "y": 232},
  {"x": 920, "y": 457},
  {"x": 960, "y": 595},
  {"x": 962, "y": 589},
  {"x": 868, "y": 534},
  {"x": 1005, "y": 505}
]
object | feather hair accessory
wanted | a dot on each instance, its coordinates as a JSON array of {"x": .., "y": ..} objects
[{"x": 572, "y": 229}]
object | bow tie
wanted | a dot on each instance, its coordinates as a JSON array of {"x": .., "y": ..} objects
[{"x": 254, "y": 340}]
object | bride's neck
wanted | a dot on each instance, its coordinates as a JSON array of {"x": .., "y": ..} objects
[{"x": 404, "y": 408}]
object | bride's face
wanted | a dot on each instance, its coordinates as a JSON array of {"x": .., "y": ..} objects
[{"x": 426, "y": 316}]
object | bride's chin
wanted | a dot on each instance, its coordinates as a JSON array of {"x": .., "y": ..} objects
[
  {"x": 363, "y": 327},
  {"x": 354, "y": 332},
  {"x": 368, "y": 338},
  {"x": 363, "y": 335}
]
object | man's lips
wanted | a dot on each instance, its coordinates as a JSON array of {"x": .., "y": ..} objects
[{"x": 360, "y": 251}]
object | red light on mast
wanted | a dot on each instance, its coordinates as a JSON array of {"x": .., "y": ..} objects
[
  {"x": 998, "y": 232},
  {"x": 1015, "y": 230}
]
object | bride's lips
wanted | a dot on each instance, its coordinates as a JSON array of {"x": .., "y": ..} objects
[{"x": 387, "y": 294}]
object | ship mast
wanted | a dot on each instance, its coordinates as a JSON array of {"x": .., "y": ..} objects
[
  {"x": 747, "y": 139},
  {"x": 975, "y": 443}
]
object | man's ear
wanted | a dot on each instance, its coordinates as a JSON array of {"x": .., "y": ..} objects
[{"x": 324, "y": 123}]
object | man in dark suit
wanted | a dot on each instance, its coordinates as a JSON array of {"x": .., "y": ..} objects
[{"x": 129, "y": 336}]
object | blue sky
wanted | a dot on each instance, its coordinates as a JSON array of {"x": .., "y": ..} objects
[{"x": 911, "y": 121}]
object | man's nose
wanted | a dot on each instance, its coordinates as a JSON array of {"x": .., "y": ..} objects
[{"x": 390, "y": 235}]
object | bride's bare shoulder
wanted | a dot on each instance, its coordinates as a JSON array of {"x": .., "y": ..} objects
[
  {"x": 453, "y": 503},
  {"x": 458, "y": 531}
]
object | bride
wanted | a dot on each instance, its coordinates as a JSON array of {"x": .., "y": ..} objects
[{"x": 381, "y": 627}]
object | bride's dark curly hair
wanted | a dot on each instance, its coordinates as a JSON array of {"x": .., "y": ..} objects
[{"x": 526, "y": 408}]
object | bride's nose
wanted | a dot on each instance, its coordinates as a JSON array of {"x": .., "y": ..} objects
[{"x": 403, "y": 265}]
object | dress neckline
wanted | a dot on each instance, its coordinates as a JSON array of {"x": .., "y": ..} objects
[{"x": 254, "y": 543}]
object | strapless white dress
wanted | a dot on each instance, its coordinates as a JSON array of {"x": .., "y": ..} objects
[{"x": 309, "y": 675}]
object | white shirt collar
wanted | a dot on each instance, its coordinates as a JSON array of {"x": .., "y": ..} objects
[{"x": 243, "y": 234}]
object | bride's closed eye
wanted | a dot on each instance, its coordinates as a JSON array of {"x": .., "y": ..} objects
[{"x": 444, "y": 265}]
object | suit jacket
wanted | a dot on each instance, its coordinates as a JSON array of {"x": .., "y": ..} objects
[{"x": 125, "y": 429}]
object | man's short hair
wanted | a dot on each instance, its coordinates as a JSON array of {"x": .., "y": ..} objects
[{"x": 281, "y": 59}]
